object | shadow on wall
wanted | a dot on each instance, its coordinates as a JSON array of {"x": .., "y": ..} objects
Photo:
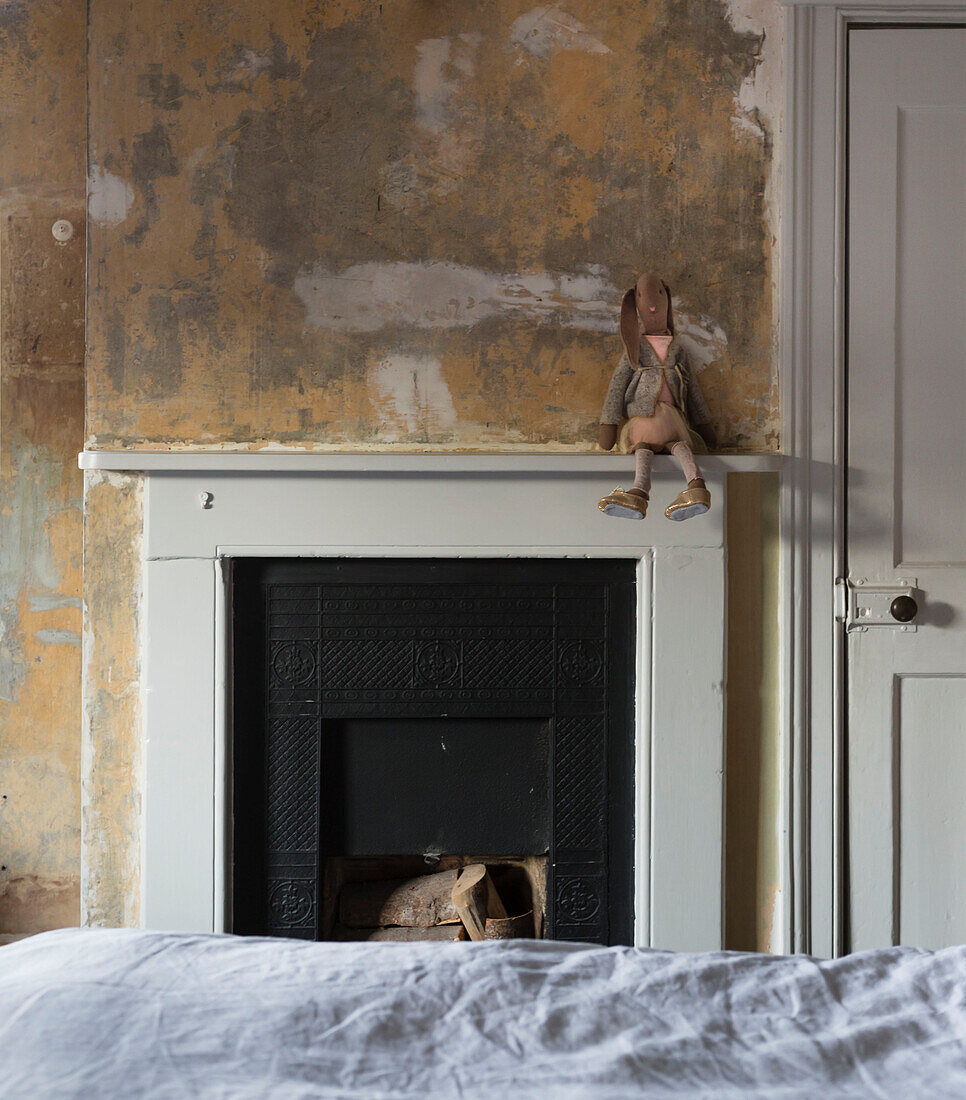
[{"x": 753, "y": 903}]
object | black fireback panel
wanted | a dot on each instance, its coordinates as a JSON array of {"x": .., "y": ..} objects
[{"x": 521, "y": 670}]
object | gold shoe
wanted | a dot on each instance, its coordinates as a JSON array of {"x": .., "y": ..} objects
[
  {"x": 624, "y": 505},
  {"x": 692, "y": 502}
]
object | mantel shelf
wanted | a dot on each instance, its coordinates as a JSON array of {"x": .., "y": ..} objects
[{"x": 520, "y": 464}]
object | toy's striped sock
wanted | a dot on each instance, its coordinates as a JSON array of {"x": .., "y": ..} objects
[
  {"x": 683, "y": 453},
  {"x": 642, "y": 478}
]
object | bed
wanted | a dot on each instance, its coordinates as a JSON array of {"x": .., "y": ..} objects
[{"x": 103, "y": 1014}]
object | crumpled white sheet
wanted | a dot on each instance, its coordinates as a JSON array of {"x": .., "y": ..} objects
[{"x": 102, "y": 1014}]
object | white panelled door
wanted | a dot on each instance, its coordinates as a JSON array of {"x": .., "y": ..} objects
[{"x": 906, "y": 493}]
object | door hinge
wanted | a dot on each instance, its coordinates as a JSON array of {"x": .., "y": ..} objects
[{"x": 860, "y": 604}]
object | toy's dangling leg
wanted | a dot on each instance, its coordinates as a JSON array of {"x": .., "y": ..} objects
[
  {"x": 633, "y": 503},
  {"x": 643, "y": 458},
  {"x": 695, "y": 500},
  {"x": 685, "y": 456}
]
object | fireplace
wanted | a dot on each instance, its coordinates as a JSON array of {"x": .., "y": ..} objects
[
  {"x": 394, "y": 713},
  {"x": 207, "y": 515}
]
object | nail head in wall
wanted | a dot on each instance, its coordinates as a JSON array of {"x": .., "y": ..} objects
[
  {"x": 206, "y": 499},
  {"x": 63, "y": 230}
]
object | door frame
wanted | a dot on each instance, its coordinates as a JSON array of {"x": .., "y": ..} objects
[{"x": 813, "y": 323}]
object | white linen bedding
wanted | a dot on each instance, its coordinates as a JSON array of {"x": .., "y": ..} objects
[{"x": 103, "y": 1014}]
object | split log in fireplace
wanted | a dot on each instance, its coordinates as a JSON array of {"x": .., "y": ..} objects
[
  {"x": 395, "y": 719},
  {"x": 456, "y": 898}
]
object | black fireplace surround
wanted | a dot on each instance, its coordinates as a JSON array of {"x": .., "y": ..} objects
[{"x": 433, "y": 707}]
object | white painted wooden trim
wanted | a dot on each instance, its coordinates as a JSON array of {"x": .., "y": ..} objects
[
  {"x": 687, "y": 768},
  {"x": 813, "y": 398},
  {"x": 180, "y": 858},
  {"x": 812, "y": 488},
  {"x": 643, "y": 923},
  {"x": 526, "y": 464},
  {"x": 681, "y": 601},
  {"x": 221, "y": 709}
]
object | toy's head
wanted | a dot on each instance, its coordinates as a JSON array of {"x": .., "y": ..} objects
[{"x": 646, "y": 305}]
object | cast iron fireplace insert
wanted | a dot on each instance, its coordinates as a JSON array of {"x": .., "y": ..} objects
[{"x": 433, "y": 707}]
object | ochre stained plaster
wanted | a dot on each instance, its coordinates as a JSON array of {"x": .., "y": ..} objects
[
  {"x": 111, "y": 720},
  {"x": 42, "y": 138},
  {"x": 408, "y": 224}
]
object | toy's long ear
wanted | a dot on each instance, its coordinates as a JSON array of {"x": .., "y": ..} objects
[
  {"x": 631, "y": 326},
  {"x": 670, "y": 311}
]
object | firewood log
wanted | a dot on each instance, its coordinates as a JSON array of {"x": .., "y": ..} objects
[
  {"x": 441, "y": 933},
  {"x": 475, "y": 898},
  {"x": 414, "y": 903},
  {"x": 509, "y": 928}
]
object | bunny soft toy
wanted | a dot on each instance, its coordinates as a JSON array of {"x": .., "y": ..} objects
[{"x": 652, "y": 402}]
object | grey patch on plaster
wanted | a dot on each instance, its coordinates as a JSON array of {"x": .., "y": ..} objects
[
  {"x": 12, "y": 663},
  {"x": 152, "y": 157},
  {"x": 24, "y": 553},
  {"x": 14, "y": 20},
  {"x": 545, "y": 31},
  {"x": 411, "y": 395},
  {"x": 439, "y": 64},
  {"x": 164, "y": 90},
  {"x": 238, "y": 70},
  {"x": 50, "y": 636},
  {"x": 701, "y": 336},
  {"x": 375, "y": 296},
  {"x": 52, "y": 601},
  {"x": 372, "y": 296},
  {"x": 109, "y": 198},
  {"x": 431, "y": 86}
]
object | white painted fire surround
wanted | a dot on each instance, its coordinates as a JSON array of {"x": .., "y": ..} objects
[{"x": 204, "y": 508}]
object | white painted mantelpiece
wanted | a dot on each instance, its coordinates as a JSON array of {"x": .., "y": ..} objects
[{"x": 202, "y": 509}]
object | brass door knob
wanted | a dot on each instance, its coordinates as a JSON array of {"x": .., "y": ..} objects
[{"x": 904, "y": 609}]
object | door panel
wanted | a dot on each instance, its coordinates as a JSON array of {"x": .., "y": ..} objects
[
  {"x": 906, "y": 400},
  {"x": 931, "y": 329},
  {"x": 932, "y": 809}
]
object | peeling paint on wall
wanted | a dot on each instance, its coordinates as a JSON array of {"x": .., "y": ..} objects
[
  {"x": 42, "y": 112},
  {"x": 109, "y": 198},
  {"x": 40, "y": 658},
  {"x": 547, "y": 30},
  {"x": 370, "y": 297},
  {"x": 319, "y": 189},
  {"x": 111, "y": 740},
  {"x": 409, "y": 391}
]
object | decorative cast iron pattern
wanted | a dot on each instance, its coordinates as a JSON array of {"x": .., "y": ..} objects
[
  {"x": 439, "y": 663},
  {"x": 340, "y": 649},
  {"x": 581, "y": 662},
  {"x": 293, "y": 663},
  {"x": 577, "y": 900},
  {"x": 292, "y": 759},
  {"x": 291, "y": 903},
  {"x": 405, "y": 650},
  {"x": 581, "y": 775},
  {"x": 292, "y": 783}
]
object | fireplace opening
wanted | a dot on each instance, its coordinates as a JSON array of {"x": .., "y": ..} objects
[
  {"x": 405, "y": 729},
  {"x": 409, "y": 898}
]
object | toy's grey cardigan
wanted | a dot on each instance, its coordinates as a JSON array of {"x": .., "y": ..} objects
[{"x": 633, "y": 390}]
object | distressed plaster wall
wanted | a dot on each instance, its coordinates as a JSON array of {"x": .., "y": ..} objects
[
  {"x": 42, "y": 153},
  {"x": 110, "y": 863},
  {"x": 357, "y": 224}
]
